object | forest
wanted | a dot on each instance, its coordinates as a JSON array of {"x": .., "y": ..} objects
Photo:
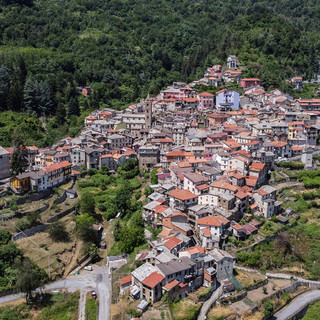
[{"x": 125, "y": 50}]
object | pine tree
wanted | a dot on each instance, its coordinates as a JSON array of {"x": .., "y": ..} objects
[
  {"x": 37, "y": 97},
  {"x": 4, "y": 86},
  {"x": 61, "y": 114},
  {"x": 73, "y": 107},
  {"x": 19, "y": 160},
  {"x": 44, "y": 98},
  {"x": 30, "y": 94}
]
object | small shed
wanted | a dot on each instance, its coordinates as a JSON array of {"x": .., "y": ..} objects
[
  {"x": 72, "y": 194},
  {"x": 143, "y": 305}
]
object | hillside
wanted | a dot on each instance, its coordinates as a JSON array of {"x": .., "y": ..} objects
[{"x": 126, "y": 49}]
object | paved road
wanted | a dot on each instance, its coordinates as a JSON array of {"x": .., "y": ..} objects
[
  {"x": 97, "y": 280},
  {"x": 297, "y": 305},
  {"x": 207, "y": 304}
]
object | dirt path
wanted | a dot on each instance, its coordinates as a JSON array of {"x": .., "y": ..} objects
[
  {"x": 73, "y": 261},
  {"x": 82, "y": 305}
]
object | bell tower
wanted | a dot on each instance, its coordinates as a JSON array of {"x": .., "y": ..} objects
[{"x": 148, "y": 113}]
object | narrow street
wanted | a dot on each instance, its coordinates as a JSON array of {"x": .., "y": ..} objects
[{"x": 97, "y": 280}]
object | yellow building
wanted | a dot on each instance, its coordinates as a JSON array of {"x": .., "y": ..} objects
[{"x": 21, "y": 182}]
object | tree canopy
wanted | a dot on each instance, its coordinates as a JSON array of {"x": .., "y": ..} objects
[{"x": 125, "y": 50}]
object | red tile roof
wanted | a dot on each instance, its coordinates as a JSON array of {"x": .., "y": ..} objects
[
  {"x": 172, "y": 242},
  {"x": 52, "y": 167},
  {"x": 224, "y": 185},
  {"x": 152, "y": 280},
  {"x": 126, "y": 279},
  {"x": 182, "y": 194},
  {"x": 209, "y": 221},
  {"x": 169, "y": 286},
  {"x": 257, "y": 166},
  {"x": 205, "y": 94}
]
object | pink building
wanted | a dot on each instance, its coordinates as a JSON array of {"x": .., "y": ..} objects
[{"x": 206, "y": 101}]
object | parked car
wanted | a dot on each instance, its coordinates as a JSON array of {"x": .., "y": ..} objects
[
  {"x": 88, "y": 268},
  {"x": 93, "y": 294}
]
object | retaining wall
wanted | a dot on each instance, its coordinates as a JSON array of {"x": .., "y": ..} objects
[
  {"x": 60, "y": 215},
  {"x": 30, "y": 232}
]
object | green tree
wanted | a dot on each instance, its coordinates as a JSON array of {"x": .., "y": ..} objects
[
  {"x": 154, "y": 177},
  {"x": 73, "y": 107},
  {"x": 33, "y": 219},
  {"x": 4, "y": 86},
  {"x": 84, "y": 228},
  {"x": 5, "y": 237},
  {"x": 30, "y": 278},
  {"x": 87, "y": 204},
  {"x": 58, "y": 232},
  {"x": 117, "y": 231},
  {"x": 19, "y": 161}
]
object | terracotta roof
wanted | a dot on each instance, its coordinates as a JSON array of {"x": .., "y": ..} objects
[
  {"x": 172, "y": 242},
  {"x": 296, "y": 148},
  {"x": 160, "y": 208},
  {"x": 65, "y": 164},
  {"x": 205, "y": 94},
  {"x": 182, "y": 194},
  {"x": 279, "y": 144},
  {"x": 126, "y": 279},
  {"x": 169, "y": 286},
  {"x": 202, "y": 186},
  {"x": 209, "y": 221},
  {"x": 165, "y": 232},
  {"x": 152, "y": 280},
  {"x": 237, "y": 227},
  {"x": 52, "y": 167},
  {"x": 257, "y": 166},
  {"x": 241, "y": 195},
  {"x": 206, "y": 232},
  {"x": 224, "y": 185}
]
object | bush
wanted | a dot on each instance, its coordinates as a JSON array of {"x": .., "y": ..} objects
[
  {"x": 268, "y": 307},
  {"x": 57, "y": 232},
  {"x": 291, "y": 165},
  {"x": 133, "y": 312},
  {"x": 22, "y": 225}
]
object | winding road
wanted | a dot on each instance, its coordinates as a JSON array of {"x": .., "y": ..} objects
[
  {"x": 97, "y": 279},
  {"x": 297, "y": 305}
]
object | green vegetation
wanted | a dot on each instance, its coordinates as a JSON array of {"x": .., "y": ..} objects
[
  {"x": 291, "y": 165},
  {"x": 91, "y": 308},
  {"x": 185, "y": 309},
  {"x": 113, "y": 195},
  {"x": 313, "y": 311},
  {"x": 17, "y": 271},
  {"x": 58, "y": 232},
  {"x": 311, "y": 179},
  {"x": 298, "y": 244},
  {"x": 51, "y": 307},
  {"x": 125, "y": 50}
]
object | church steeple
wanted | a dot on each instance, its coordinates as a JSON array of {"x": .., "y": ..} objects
[{"x": 148, "y": 112}]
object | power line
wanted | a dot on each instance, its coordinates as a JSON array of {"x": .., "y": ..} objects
[{"x": 48, "y": 255}]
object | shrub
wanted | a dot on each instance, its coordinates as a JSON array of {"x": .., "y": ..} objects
[{"x": 291, "y": 165}]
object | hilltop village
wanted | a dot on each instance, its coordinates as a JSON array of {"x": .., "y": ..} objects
[{"x": 213, "y": 155}]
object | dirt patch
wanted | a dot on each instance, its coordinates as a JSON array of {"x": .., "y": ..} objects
[
  {"x": 271, "y": 287},
  {"x": 219, "y": 311},
  {"x": 40, "y": 246},
  {"x": 249, "y": 278}
]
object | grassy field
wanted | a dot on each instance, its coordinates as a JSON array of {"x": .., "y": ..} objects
[
  {"x": 313, "y": 311},
  {"x": 53, "y": 307},
  {"x": 185, "y": 309},
  {"x": 91, "y": 308}
]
